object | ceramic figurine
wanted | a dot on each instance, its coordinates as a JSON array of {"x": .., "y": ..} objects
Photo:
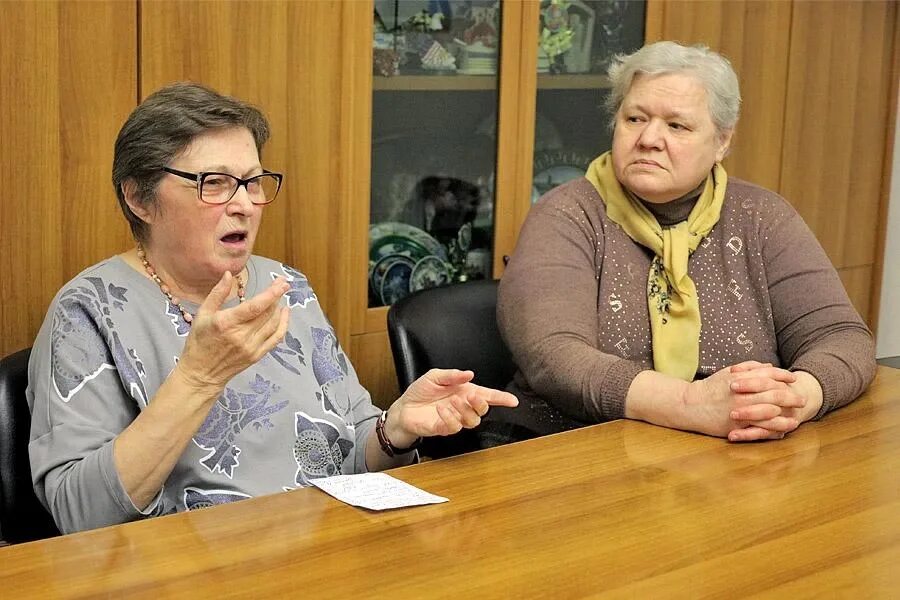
[
  {"x": 483, "y": 28},
  {"x": 556, "y": 36}
]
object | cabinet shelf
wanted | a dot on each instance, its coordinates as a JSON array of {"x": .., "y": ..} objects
[
  {"x": 572, "y": 82},
  {"x": 434, "y": 83},
  {"x": 443, "y": 83}
]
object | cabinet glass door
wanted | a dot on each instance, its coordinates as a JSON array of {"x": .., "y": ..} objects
[
  {"x": 434, "y": 118},
  {"x": 576, "y": 41}
]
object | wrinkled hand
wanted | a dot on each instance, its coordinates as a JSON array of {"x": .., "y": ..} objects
[
  {"x": 224, "y": 342},
  {"x": 766, "y": 421},
  {"x": 744, "y": 402},
  {"x": 441, "y": 402}
]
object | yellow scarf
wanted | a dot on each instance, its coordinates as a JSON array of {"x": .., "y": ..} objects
[{"x": 671, "y": 295}]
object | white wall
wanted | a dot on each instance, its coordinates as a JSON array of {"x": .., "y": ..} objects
[{"x": 889, "y": 316}]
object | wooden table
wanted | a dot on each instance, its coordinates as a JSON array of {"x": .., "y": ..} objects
[{"x": 622, "y": 509}]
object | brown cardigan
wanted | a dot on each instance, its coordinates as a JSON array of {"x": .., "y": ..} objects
[{"x": 573, "y": 304}]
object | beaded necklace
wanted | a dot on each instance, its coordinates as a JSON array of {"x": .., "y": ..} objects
[{"x": 188, "y": 317}]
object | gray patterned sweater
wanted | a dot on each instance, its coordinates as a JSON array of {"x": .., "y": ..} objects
[
  {"x": 573, "y": 304},
  {"x": 109, "y": 341}
]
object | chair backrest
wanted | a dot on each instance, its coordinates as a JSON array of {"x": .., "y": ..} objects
[
  {"x": 22, "y": 517},
  {"x": 450, "y": 327}
]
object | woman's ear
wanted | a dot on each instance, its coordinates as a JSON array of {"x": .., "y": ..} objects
[
  {"x": 724, "y": 145},
  {"x": 129, "y": 192}
]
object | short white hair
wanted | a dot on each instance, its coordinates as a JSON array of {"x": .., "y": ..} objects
[{"x": 711, "y": 69}]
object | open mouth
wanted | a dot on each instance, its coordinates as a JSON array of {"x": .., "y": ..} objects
[{"x": 234, "y": 238}]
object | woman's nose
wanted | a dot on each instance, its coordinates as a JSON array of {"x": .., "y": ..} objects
[
  {"x": 652, "y": 136},
  {"x": 240, "y": 203}
]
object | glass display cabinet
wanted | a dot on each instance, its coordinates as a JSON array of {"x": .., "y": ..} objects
[
  {"x": 576, "y": 43},
  {"x": 477, "y": 108},
  {"x": 434, "y": 114},
  {"x": 436, "y": 105}
]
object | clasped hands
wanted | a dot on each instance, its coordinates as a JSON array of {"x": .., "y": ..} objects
[{"x": 753, "y": 401}]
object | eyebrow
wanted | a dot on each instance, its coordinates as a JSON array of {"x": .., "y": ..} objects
[
  {"x": 224, "y": 169},
  {"x": 675, "y": 114}
]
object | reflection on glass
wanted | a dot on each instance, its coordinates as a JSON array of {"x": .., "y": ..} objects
[
  {"x": 610, "y": 41},
  {"x": 433, "y": 144},
  {"x": 576, "y": 43}
]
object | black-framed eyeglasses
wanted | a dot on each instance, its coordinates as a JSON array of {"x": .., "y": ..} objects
[{"x": 219, "y": 188}]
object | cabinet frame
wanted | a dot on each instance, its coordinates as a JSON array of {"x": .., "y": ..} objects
[{"x": 515, "y": 142}]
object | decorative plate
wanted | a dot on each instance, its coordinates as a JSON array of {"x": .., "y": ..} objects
[
  {"x": 380, "y": 269},
  {"x": 397, "y": 244},
  {"x": 395, "y": 284},
  {"x": 429, "y": 272},
  {"x": 392, "y": 237},
  {"x": 556, "y": 167}
]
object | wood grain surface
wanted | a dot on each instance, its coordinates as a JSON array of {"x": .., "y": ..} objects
[{"x": 619, "y": 510}]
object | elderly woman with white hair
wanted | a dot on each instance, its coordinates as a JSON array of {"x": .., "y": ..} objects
[{"x": 660, "y": 289}]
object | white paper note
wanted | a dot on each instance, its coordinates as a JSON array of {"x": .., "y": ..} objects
[{"x": 375, "y": 491}]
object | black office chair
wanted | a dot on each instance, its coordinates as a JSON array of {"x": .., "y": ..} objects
[
  {"x": 22, "y": 516},
  {"x": 450, "y": 327}
]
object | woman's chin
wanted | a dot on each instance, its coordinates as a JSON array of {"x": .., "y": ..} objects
[
  {"x": 235, "y": 263},
  {"x": 654, "y": 195}
]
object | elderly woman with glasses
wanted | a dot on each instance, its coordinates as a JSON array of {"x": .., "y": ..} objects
[
  {"x": 661, "y": 289},
  {"x": 187, "y": 371}
]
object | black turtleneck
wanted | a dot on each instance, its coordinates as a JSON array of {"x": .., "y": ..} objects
[{"x": 674, "y": 211}]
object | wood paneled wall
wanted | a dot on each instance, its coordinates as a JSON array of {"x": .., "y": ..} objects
[
  {"x": 755, "y": 37},
  {"x": 72, "y": 72},
  {"x": 817, "y": 82},
  {"x": 68, "y": 80},
  {"x": 816, "y": 78},
  {"x": 840, "y": 84}
]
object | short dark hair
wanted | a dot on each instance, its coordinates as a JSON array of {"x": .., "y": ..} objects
[{"x": 161, "y": 127}]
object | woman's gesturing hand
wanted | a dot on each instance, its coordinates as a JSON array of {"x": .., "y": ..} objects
[
  {"x": 224, "y": 342},
  {"x": 441, "y": 402}
]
